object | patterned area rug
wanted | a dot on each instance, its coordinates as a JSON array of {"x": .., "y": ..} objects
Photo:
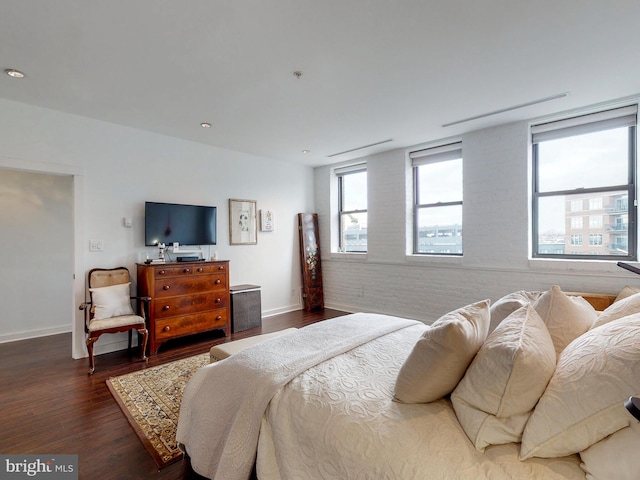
[{"x": 150, "y": 399}]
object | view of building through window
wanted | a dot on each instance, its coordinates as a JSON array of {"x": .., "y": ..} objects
[
  {"x": 584, "y": 186},
  {"x": 599, "y": 227}
]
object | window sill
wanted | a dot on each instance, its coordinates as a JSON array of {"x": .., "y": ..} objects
[
  {"x": 348, "y": 256},
  {"x": 436, "y": 259},
  {"x": 569, "y": 265}
]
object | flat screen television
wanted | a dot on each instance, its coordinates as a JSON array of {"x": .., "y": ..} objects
[{"x": 185, "y": 224}]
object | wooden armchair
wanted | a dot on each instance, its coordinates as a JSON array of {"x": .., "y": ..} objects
[{"x": 109, "y": 309}]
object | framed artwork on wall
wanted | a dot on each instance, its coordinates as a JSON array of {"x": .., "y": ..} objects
[
  {"x": 243, "y": 222},
  {"x": 266, "y": 220}
]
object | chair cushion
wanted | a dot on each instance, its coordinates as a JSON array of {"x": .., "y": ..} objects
[
  {"x": 112, "y": 301},
  {"x": 220, "y": 352},
  {"x": 114, "y": 322}
]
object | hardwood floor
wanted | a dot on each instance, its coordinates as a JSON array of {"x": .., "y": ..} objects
[{"x": 50, "y": 405}]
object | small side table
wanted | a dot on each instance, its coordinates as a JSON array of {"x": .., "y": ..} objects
[{"x": 246, "y": 308}]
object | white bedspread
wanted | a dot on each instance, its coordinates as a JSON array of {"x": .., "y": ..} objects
[
  {"x": 337, "y": 420},
  {"x": 224, "y": 402}
]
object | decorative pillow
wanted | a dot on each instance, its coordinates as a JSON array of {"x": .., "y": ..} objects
[
  {"x": 111, "y": 301},
  {"x": 583, "y": 402},
  {"x": 566, "y": 317},
  {"x": 495, "y": 398},
  {"x": 442, "y": 354},
  {"x": 508, "y": 304},
  {"x": 628, "y": 305},
  {"x": 623, "y": 446},
  {"x": 627, "y": 292}
]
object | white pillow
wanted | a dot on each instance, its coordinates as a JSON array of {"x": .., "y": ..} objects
[
  {"x": 495, "y": 398},
  {"x": 508, "y": 304},
  {"x": 442, "y": 354},
  {"x": 627, "y": 292},
  {"x": 111, "y": 301},
  {"x": 566, "y": 317},
  {"x": 615, "y": 457},
  {"x": 628, "y": 305},
  {"x": 583, "y": 402}
]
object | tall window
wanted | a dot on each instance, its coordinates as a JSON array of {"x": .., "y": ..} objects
[
  {"x": 437, "y": 212},
  {"x": 352, "y": 205},
  {"x": 585, "y": 164}
]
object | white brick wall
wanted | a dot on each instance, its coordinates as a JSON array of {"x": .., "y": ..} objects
[{"x": 496, "y": 237}]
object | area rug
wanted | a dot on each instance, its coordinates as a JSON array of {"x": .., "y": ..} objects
[{"x": 150, "y": 399}]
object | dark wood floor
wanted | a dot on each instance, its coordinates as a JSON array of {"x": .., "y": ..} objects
[{"x": 49, "y": 405}]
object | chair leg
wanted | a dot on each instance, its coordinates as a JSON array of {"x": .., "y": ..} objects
[
  {"x": 129, "y": 346},
  {"x": 143, "y": 347},
  {"x": 92, "y": 364}
]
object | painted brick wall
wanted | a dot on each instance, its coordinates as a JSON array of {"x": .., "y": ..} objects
[{"x": 496, "y": 237}]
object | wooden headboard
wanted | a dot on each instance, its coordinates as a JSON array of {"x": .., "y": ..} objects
[{"x": 600, "y": 301}]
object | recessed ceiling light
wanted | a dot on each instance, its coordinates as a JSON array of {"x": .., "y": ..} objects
[
  {"x": 306, "y": 151},
  {"x": 205, "y": 125},
  {"x": 14, "y": 73}
]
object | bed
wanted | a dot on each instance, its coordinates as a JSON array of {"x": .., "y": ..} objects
[{"x": 532, "y": 386}]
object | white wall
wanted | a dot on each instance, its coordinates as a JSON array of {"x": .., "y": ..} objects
[
  {"x": 496, "y": 237},
  {"x": 119, "y": 168}
]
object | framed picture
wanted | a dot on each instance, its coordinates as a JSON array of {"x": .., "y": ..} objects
[
  {"x": 266, "y": 220},
  {"x": 243, "y": 222}
]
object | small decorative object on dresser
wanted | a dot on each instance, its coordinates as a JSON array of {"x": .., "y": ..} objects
[{"x": 187, "y": 298}]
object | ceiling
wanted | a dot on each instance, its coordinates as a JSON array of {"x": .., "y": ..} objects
[{"x": 372, "y": 70}]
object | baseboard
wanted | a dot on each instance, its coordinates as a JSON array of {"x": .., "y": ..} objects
[
  {"x": 40, "y": 332},
  {"x": 343, "y": 308},
  {"x": 278, "y": 311}
]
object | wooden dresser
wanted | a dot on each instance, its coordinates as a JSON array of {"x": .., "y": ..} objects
[{"x": 186, "y": 298}]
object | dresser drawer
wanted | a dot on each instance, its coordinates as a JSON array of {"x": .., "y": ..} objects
[
  {"x": 172, "y": 306},
  {"x": 188, "y": 324},
  {"x": 189, "y": 269},
  {"x": 194, "y": 284}
]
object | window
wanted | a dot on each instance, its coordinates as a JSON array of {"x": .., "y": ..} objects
[
  {"x": 576, "y": 223},
  {"x": 595, "y": 203},
  {"x": 437, "y": 212},
  {"x": 352, "y": 205},
  {"x": 595, "y": 221},
  {"x": 585, "y": 164}
]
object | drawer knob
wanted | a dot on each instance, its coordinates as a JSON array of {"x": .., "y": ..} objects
[
  {"x": 200, "y": 270},
  {"x": 166, "y": 287},
  {"x": 221, "y": 268},
  {"x": 161, "y": 272},
  {"x": 218, "y": 300},
  {"x": 217, "y": 282},
  {"x": 219, "y": 317},
  {"x": 165, "y": 308},
  {"x": 167, "y": 328},
  {"x": 186, "y": 270}
]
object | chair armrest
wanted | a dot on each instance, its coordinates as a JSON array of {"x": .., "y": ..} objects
[{"x": 143, "y": 299}]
